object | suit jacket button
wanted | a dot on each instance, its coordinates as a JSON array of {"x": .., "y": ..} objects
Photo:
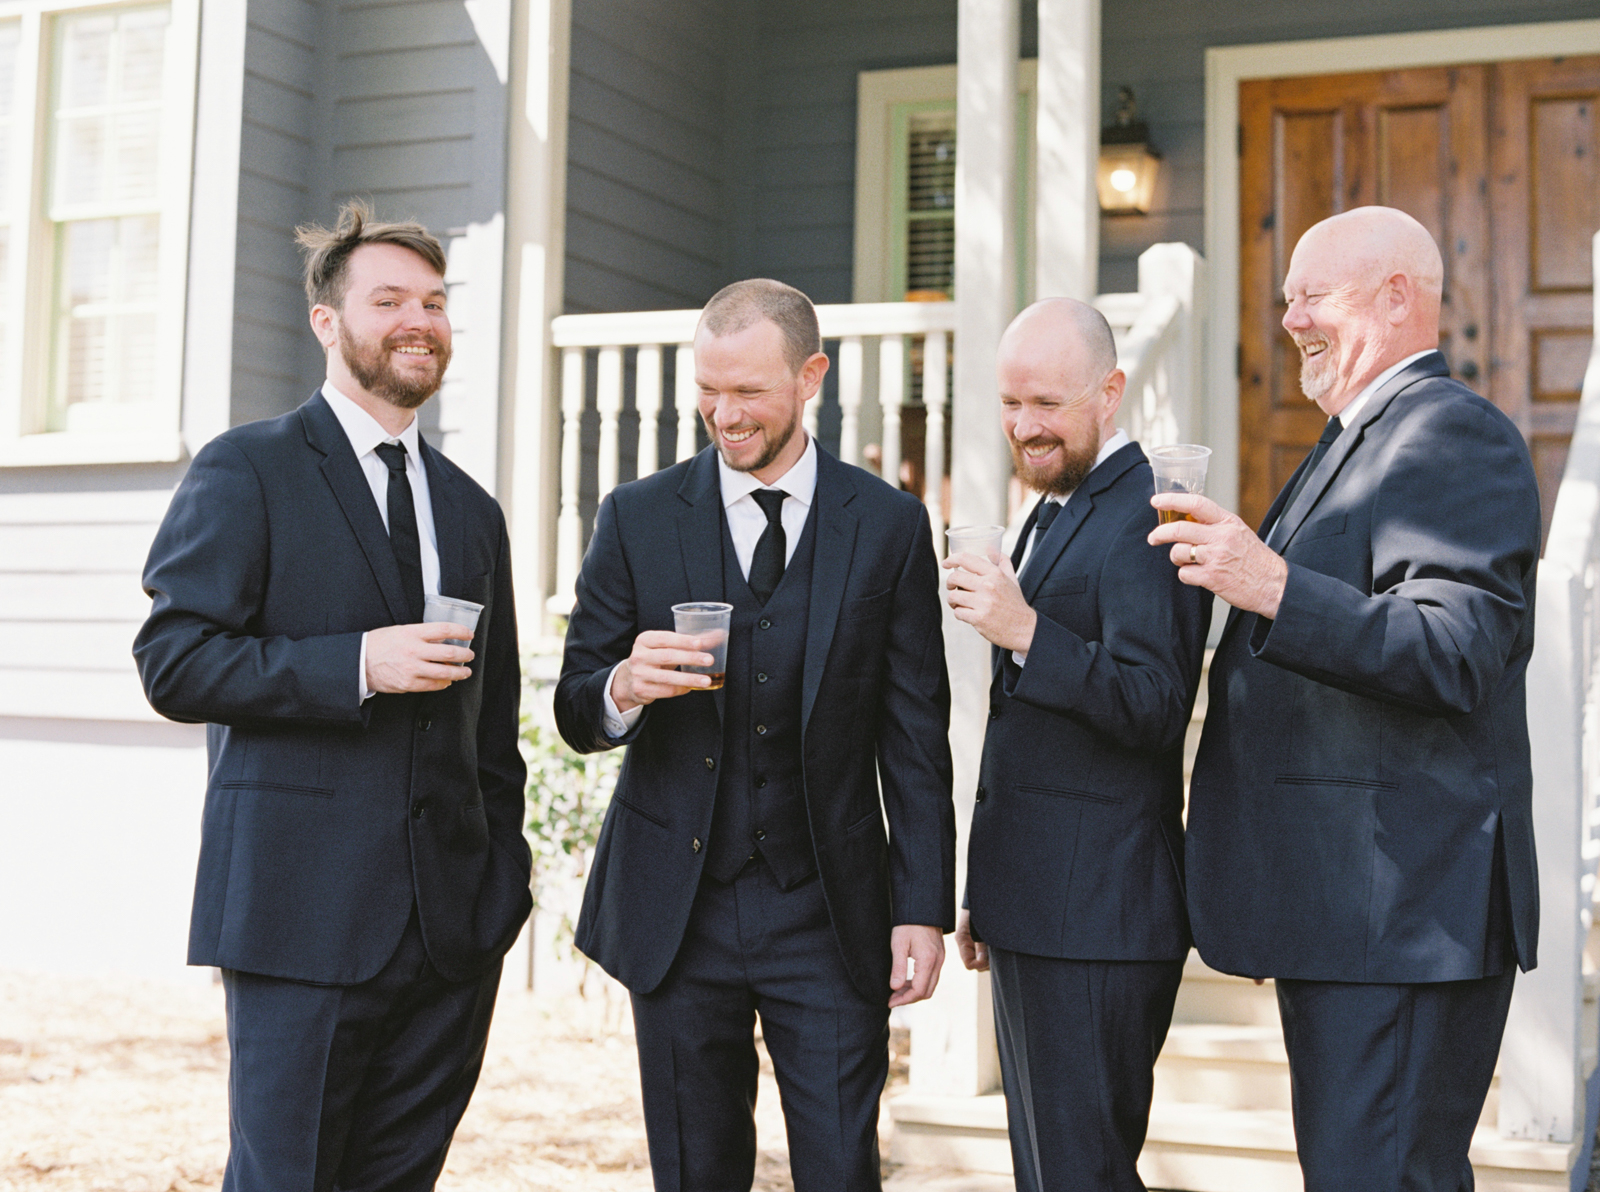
[
  {"x": 761, "y": 677},
  {"x": 994, "y": 713},
  {"x": 418, "y": 809},
  {"x": 424, "y": 724},
  {"x": 765, "y": 623},
  {"x": 982, "y": 794},
  {"x": 761, "y": 834},
  {"x": 761, "y": 730},
  {"x": 696, "y": 845},
  {"x": 760, "y": 782},
  {"x": 711, "y": 763}
]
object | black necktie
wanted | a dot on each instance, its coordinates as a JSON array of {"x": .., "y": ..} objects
[
  {"x": 1043, "y": 515},
  {"x": 403, "y": 538},
  {"x": 766, "y": 564},
  {"x": 1329, "y": 434}
]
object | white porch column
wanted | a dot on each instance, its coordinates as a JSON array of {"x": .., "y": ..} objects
[
  {"x": 952, "y": 1048},
  {"x": 1067, "y": 208},
  {"x": 535, "y": 246}
]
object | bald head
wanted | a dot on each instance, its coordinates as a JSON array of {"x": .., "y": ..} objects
[
  {"x": 1059, "y": 391},
  {"x": 1071, "y": 336},
  {"x": 1363, "y": 291}
]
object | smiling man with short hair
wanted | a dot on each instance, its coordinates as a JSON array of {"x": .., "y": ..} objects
[
  {"x": 744, "y": 868},
  {"x": 362, "y": 864}
]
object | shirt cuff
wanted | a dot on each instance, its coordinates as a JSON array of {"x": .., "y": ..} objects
[
  {"x": 616, "y": 723},
  {"x": 1021, "y": 659},
  {"x": 361, "y": 677}
]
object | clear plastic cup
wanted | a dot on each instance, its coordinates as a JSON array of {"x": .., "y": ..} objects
[
  {"x": 976, "y": 540},
  {"x": 1180, "y": 468},
  {"x": 708, "y": 620},
  {"x": 456, "y": 612}
]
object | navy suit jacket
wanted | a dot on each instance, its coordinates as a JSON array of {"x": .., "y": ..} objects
[
  {"x": 1363, "y": 784},
  {"x": 1077, "y": 835},
  {"x": 875, "y": 709},
  {"x": 326, "y": 818}
]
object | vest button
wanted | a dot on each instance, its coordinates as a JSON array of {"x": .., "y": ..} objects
[
  {"x": 419, "y": 809},
  {"x": 695, "y": 847},
  {"x": 424, "y": 724},
  {"x": 761, "y": 730},
  {"x": 765, "y": 623},
  {"x": 982, "y": 794},
  {"x": 711, "y": 763},
  {"x": 994, "y": 713},
  {"x": 761, "y": 677},
  {"x": 761, "y": 834},
  {"x": 760, "y": 782}
]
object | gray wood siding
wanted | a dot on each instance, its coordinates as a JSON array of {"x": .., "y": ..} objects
[{"x": 646, "y": 205}]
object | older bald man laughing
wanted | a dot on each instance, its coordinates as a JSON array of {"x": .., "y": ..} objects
[{"x": 1360, "y": 821}]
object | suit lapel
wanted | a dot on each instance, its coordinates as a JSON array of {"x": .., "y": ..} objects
[
  {"x": 344, "y": 476},
  {"x": 1345, "y": 445},
  {"x": 836, "y": 528},
  {"x": 445, "y": 501},
  {"x": 700, "y": 537}
]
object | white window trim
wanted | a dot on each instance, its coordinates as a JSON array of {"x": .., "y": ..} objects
[
  {"x": 29, "y": 285},
  {"x": 1226, "y": 68},
  {"x": 878, "y": 92}
]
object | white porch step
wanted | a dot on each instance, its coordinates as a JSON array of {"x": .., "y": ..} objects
[{"x": 1197, "y": 1148}]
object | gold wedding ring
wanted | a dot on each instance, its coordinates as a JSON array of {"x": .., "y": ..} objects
[{"x": 1194, "y": 554}]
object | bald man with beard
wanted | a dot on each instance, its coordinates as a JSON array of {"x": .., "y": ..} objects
[
  {"x": 1360, "y": 818},
  {"x": 1074, "y": 872}
]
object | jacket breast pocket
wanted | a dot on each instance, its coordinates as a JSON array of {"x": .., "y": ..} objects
[
  {"x": 1062, "y": 585},
  {"x": 1325, "y": 527},
  {"x": 876, "y": 605}
]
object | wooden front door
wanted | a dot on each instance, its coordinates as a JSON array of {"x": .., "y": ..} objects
[{"x": 1501, "y": 162}]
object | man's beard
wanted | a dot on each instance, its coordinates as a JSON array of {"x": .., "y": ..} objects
[
  {"x": 371, "y": 364},
  {"x": 775, "y": 444},
  {"x": 1076, "y": 464},
  {"x": 1317, "y": 373}
]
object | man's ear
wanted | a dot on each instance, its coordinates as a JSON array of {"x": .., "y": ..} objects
[
  {"x": 325, "y": 324},
  {"x": 1399, "y": 297},
  {"x": 1111, "y": 394},
  {"x": 811, "y": 374}
]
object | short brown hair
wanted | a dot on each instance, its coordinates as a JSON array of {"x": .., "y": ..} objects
[
  {"x": 328, "y": 252},
  {"x": 735, "y": 307}
]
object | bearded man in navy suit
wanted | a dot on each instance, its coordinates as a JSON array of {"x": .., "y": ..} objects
[
  {"x": 1360, "y": 819},
  {"x": 362, "y": 864},
  {"x": 745, "y": 868},
  {"x": 1074, "y": 871}
]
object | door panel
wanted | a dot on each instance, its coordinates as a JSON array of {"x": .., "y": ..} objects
[
  {"x": 1312, "y": 147},
  {"x": 1544, "y": 144}
]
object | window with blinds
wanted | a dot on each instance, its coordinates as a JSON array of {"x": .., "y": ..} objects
[{"x": 930, "y": 240}]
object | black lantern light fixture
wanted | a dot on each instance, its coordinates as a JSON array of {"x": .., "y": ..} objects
[{"x": 1126, "y": 178}]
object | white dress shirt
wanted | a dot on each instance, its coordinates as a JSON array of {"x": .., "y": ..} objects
[
  {"x": 746, "y": 524},
  {"x": 1109, "y": 448},
  {"x": 364, "y": 433}
]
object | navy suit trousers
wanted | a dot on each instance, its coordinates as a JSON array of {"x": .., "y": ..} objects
[
  {"x": 354, "y": 1087},
  {"x": 752, "y": 948},
  {"x": 1078, "y": 1046},
  {"x": 1389, "y": 1080}
]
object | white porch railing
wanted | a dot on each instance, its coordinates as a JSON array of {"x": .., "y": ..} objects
[
  {"x": 891, "y": 330},
  {"x": 1549, "y": 1049},
  {"x": 1159, "y": 332}
]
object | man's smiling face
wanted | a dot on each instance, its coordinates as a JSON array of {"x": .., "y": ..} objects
[
  {"x": 393, "y": 332},
  {"x": 751, "y": 400},
  {"x": 1336, "y": 319}
]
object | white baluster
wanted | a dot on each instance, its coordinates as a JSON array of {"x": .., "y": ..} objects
[
  {"x": 933, "y": 400},
  {"x": 569, "y": 529},
  {"x": 647, "y": 400},
  {"x": 686, "y": 399},
  {"x": 891, "y": 391},
  {"x": 608, "y": 400},
  {"x": 850, "y": 370}
]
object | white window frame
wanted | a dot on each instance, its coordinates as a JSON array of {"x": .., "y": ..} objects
[
  {"x": 879, "y": 93},
  {"x": 28, "y": 286}
]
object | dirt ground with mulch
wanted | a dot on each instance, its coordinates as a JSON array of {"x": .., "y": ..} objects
[{"x": 120, "y": 1085}]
